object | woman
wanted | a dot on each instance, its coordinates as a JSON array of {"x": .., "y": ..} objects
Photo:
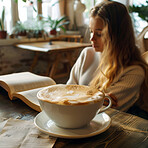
[{"x": 113, "y": 64}]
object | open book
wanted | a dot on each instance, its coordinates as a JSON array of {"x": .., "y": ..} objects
[{"x": 25, "y": 85}]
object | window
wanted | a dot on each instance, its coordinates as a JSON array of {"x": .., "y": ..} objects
[
  {"x": 50, "y": 8},
  {"x": 89, "y": 4},
  {"x": 139, "y": 24},
  {"x": 7, "y": 6},
  {"x": 27, "y": 10},
  {"x": 46, "y": 8}
]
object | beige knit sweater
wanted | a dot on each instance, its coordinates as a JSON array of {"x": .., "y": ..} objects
[{"x": 125, "y": 87}]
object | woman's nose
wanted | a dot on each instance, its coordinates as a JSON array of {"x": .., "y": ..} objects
[{"x": 92, "y": 37}]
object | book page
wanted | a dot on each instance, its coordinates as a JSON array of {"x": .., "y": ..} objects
[
  {"x": 25, "y": 81},
  {"x": 30, "y": 98}
]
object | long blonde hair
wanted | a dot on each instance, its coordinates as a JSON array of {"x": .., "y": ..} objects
[{"x": 120, "y": 50}]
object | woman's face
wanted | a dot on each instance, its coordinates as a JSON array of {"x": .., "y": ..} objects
[{"x": 96, "y": 27}]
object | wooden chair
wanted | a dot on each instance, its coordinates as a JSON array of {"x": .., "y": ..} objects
[
  {"x": 75, "y": 53},
  {"x": 141, "y": 41},
  {"x": 143, "y": 102},
  {"x": 66, "y": 58},
  {"x": 71, "y": 38},
  {"x": 145, "y": 56}
]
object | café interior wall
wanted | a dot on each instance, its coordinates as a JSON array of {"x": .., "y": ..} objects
[{"x": 13, "y": 60}]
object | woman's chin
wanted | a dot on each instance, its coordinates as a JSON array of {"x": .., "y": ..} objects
[{"x": 97, "y": 49}]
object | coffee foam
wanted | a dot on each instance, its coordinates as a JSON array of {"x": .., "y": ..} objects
[{"x": 70, "y": 94}]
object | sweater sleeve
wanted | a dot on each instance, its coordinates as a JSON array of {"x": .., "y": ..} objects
[
  {"x": 126, "y": 87},
  {"x": 83, "y": 70}
]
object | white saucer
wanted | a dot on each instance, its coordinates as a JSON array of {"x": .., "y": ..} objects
[{"x": 98, "y": 125}]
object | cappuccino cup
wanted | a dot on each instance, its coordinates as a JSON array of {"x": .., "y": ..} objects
[{"x": 71, "y": 106}]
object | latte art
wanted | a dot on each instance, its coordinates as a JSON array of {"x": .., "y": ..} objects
[{"x": 70, "y": 94}]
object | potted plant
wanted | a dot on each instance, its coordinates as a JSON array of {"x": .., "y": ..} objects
[
  {"x": 3, "y": 33},
  {"x": 19, "y": 29},
  {"x": 37, "y": 27},
  {"x": 31, "y": 28},
  {"x": 142, "y": 11},
  {"x": 56, "y": 24}
]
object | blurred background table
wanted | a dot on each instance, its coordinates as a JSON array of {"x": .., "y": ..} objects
[
  {"x": 65, "y": 53},
  {"x": 126, "y": 130}
]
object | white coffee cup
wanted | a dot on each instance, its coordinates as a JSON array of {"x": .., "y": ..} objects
[{"x": 71, "y": 106}]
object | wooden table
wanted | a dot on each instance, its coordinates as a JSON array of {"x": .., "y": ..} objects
[
  {"x": 57, "y": 49},
  {"x": 126, "y": 131}
]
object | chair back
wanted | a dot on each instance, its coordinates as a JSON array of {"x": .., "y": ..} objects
[
  {"x": 143, "y": 102},
  {"x": 145, "y": 56},
  {"x": 67, "y": 58},
  {"x": 141, "y": 41},
  {"x": 71, "y": 38}
]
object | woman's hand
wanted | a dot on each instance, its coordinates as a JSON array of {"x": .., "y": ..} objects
[{"x": 114, "y": 101}]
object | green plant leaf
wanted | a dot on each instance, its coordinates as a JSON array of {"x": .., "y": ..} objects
[
  {"x": 22, "y": 0},
  {"x": 2, "y": 19},
  {"x": 62, "y": 28},
  {"x": 0, "y": 24},
  {"x": 55, "y": 3},
  {"x": 62, "y": 19},
  {"x": 58, "y": 23},
  {"x": 34, "y": 9},
  {"x": 142, "y": 11},
  {"x": 65, "y": 23},
  {"x": 3, "y": 14}
]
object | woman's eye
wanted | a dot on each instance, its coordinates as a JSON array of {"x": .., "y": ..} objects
[{"x": 95, "y": 34}]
